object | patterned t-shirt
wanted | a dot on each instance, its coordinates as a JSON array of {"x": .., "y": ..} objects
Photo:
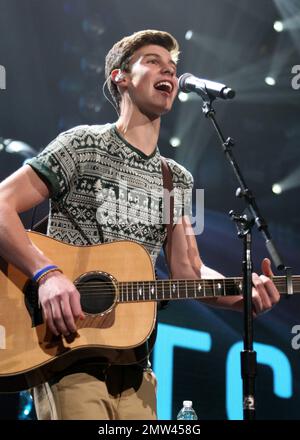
[{"x": 104, "y": 189}]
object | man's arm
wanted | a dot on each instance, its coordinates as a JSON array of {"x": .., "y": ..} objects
[
  {"x": 18, "y": 193},
  {"x": 58, "y": 296},
  {"x": 187, "y": 264}
]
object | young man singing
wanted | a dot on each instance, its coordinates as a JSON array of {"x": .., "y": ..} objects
[{"x": 74, "y": 171}]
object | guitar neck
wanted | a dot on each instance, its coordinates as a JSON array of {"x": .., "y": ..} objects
[{"x": 160, "y": 290}]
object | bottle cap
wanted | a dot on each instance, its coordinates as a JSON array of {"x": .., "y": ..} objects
[{"x": 188, "y": 403}]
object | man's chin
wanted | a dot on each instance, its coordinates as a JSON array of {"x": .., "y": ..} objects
[
  {"x": 155, "y": 110},
  {"x": 153, "y": 114},
  {"x": 166, "y": 110},
  {"x": 161, "y": 110}
]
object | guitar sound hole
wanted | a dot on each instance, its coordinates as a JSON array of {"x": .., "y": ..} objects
[{"x": 97, "y": 292}]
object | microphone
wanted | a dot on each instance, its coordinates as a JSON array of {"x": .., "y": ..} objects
[{"x": 190, "y": 83}]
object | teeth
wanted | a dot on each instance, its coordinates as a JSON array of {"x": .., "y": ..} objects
[{"x": 165, "y": 83}]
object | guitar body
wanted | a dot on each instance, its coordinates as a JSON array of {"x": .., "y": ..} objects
[{"x": 115, "y": 334}]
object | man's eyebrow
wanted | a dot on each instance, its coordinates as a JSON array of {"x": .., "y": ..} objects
[{"x": 158, "y": 56}]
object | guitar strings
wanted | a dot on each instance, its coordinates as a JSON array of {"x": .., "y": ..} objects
[
  {"x": 206, "y": 281},
  {"x": 130, "y": 288},
  {"x": 164, "y": 288},
  {"x": 140, "y": 283},
  {"x": 181, "y": 290},
  {"x": 125, "y": 286}
]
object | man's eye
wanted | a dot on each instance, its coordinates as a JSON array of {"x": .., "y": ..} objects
[{"x": 153, "y": 61}]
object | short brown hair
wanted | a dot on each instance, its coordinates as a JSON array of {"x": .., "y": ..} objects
[{"x": 119, "y": 55}]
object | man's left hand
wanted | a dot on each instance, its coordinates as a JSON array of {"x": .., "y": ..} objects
[{"x": 264, "y": 295}]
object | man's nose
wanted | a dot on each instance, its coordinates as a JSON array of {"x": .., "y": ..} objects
[{"x": 168, "y": 69}]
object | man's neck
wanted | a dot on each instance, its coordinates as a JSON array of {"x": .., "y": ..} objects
[{"x": 139, "y": 131}]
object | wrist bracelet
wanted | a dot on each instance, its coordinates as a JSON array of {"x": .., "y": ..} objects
[
  {"x": 42, "y": 272},
  {"x": 46, "y": 273}
]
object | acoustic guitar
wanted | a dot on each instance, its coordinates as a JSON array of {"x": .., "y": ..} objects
[{"x": 119, "y": 295}]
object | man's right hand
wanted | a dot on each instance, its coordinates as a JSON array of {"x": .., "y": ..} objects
[{"x": 60, "y": 301}]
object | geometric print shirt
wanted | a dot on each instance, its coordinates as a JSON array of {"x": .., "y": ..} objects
[{"x": 103, "y": 189}]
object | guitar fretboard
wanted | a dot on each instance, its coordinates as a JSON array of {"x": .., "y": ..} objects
[{"x": 160, "y": 290}]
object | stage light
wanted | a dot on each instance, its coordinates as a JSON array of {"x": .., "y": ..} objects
[
  {"x": 20, "y": 148},
  {"x": 277, "y": 188},
  {"x": 291, "y": 181},
  {"x": 13, "y": 154},
  {"x": 270, "y": 80},
  {"x": 183, "y": 97},
  {"x": 278, "y": 26},
  {"x": 188, "y": 35},
  {"x": 25, "y": 405},
  {"x": 175, "y": 141}
]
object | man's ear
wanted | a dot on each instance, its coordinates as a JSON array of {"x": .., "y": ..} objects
[{"x": 117, "y": 76}]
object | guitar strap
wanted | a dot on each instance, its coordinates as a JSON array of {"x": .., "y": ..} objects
[{"x": 168, "y": 210}]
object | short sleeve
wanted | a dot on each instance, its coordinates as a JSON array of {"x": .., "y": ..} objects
[
  {"x": 183, "y": 182},
  {"x": 182, "y": 178},
  {"x": 57, "y": 165}
]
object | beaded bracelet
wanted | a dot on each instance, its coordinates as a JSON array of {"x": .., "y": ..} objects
[{"x": 43, "y": 272}]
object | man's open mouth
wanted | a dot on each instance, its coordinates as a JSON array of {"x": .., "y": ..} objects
[{"x": 164, "y": 86}]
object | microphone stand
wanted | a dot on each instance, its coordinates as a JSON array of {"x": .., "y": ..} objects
[{"x": 244, "y": 230}]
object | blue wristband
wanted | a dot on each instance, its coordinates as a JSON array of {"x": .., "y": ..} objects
[{"x": 42, "y": 271}]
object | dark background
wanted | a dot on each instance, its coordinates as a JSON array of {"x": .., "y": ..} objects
[{"x": 53, "y": 53}]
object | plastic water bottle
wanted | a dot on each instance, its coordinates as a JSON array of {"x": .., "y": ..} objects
[{"x": 187, "y": 412}]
